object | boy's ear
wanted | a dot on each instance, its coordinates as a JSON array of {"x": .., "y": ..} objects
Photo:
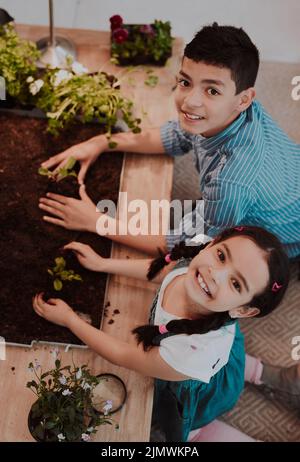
[
  {"x": 244, "y": 312},
  {"x": 245, "y": 99}
]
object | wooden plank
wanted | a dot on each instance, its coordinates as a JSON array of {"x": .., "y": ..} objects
[{"x": 144, "y": 177}]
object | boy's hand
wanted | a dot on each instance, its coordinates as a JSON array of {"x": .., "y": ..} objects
[
  {"x": 71, "y": 213},
  {"x": 86, "y": 153},
  {"x": 54, "y": 310},
  {"x": 87, "y": 257}
]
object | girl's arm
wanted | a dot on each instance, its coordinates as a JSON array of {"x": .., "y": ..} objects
[
  {"x": 135, "y": 268},
  {"x": 129, "y": 355}
]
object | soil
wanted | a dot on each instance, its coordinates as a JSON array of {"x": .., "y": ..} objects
[{"x": 29, "y": 245}]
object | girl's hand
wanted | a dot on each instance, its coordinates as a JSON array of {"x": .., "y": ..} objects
[
  {"x": 54, "y": 310},
  {"x": 86, "y": 256}
]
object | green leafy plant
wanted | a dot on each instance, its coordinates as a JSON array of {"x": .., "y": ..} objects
[
  {"x": 66, "y": 97},
  {"x": 17, "y": 62},
  {"x": 60, "y": 273},
  {"x": 64, "y": 410},
  {"x": 62, "y": 172},
  {"x": 150, "y": 42}
]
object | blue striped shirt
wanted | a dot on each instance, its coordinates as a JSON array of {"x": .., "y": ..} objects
[{"x": 249, "y": 174}]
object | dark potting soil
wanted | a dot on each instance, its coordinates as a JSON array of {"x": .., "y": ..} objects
[{"x": 29, "y": 245}]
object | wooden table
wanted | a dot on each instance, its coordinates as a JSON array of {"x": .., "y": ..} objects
[{"x": 144, "y": 177}]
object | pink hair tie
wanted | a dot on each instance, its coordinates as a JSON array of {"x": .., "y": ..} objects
[
  {"x": 162, "y": 329},
  {"x": 276, "y": 287},
  {"x": 168, "y": 258},
  {"x": 239, "y": 228}
]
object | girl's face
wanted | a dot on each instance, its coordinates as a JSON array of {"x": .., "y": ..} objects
[{"x": 227, "y": 275}]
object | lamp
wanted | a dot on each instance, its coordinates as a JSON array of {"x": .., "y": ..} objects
[{"x": 55, "y": 50}]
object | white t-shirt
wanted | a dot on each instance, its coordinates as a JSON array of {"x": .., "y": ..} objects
[{"x": 198, "y": 356}]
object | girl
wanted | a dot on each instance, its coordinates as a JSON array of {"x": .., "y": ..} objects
[{"x": 193, "y": 345}]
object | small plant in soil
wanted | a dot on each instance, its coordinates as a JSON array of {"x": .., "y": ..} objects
[
  {"x": 62, "y": 173},
  {"x": 61, "y": 274},
  {"x": 64, "y": 410}
]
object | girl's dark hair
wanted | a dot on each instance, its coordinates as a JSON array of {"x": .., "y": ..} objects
[
  {"x": 266, "y": 301},
  {"x": 229, "y": 47}
]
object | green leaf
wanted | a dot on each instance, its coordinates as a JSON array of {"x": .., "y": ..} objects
[
  {"x": 57, "y": 284},
  {"x": 112, "y": 144},
  {"x": 43, "y": 171},
  {"x": 70, "y": 163},
  {"x": 50, "y": 425}
]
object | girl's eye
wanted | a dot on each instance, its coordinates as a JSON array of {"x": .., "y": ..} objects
[
  {"x": 183, "y": 82},
  {"x": 236, "y": 285},
  {"x": 221, "y": 255},
  {"x": 212, "y": 92}
]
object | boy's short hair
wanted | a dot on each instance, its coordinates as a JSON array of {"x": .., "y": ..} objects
[{"x": 229, "y": 47}]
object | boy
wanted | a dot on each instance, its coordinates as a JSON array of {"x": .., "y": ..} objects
[{"x": 248, "y": 168}]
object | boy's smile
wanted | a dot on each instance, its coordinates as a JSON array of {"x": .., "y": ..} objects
[{"x": 205, "y": 98}]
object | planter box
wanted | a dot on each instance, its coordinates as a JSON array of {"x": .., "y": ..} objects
[
  {"x": 29, "y": 245},
  {"x": 142, "y": 46}
]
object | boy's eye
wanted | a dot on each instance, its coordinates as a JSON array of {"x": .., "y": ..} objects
[
  {"x": 183, "y": 82},
  {"x": 212, "y": 92},
  {"x": 221, "y": 255},
  {"x": 236, "y": 285}
]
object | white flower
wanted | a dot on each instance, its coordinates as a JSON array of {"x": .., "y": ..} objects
[
  {"x": 29, "y": 79},
  {"x": 79, "y": 374},
  {"x": 66, "y": 392},
  {"x": 62, "y": 379},
  {"x": 85, "y": 386},
  {"x": 90, "y": 429},
  {"x": 107, "y": 407},
  {"x": 35, "y": 86},
  {"x": 37, "y": 364},
  {"x": 61, "y": 437},
  {"x": 78, "y": 68},
  {"x": 85, "y": 437},
  {"x": 60, "y": 76},
  {"x": 54, "y": 353}
]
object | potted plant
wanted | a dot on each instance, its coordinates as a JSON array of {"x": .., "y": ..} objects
[
  {"x": 133, "y": 44},
  {"x": 62, "y": 95},
  {"x": 64, "y": 410}
]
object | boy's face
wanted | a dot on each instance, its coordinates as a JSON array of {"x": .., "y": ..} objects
[{"x": 205, "y": 98}]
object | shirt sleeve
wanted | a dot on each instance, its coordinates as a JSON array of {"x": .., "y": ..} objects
[
  {"x": 226, "y": 204},
  {"x": 176, "y": 142},
  {"x": 197, "y": 356}
]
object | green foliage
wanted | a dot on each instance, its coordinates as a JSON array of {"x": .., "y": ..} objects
[
  {"x": 64, "y": 408},
  {"x": 60, "y": 273},
  {"x": 156, "y": 45},
  {"x": 85, "y": 98},
  {"x": 17, "y": 62},
  {"x": 65, "y": 96},
  {"x": 62, "y": 172}
]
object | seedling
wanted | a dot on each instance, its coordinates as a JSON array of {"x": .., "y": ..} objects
[
  {"x": 62, "y": 173},
  {"x": 60, "y": 274}
]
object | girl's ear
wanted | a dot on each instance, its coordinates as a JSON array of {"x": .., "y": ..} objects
[{"x": 244, "y": 312}]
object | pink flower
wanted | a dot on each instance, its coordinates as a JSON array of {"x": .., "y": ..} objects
[
  {"x": 147, "y": 29},
  {"x": 120, "y": 35},
  {"x": 115, "y": 22}
]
